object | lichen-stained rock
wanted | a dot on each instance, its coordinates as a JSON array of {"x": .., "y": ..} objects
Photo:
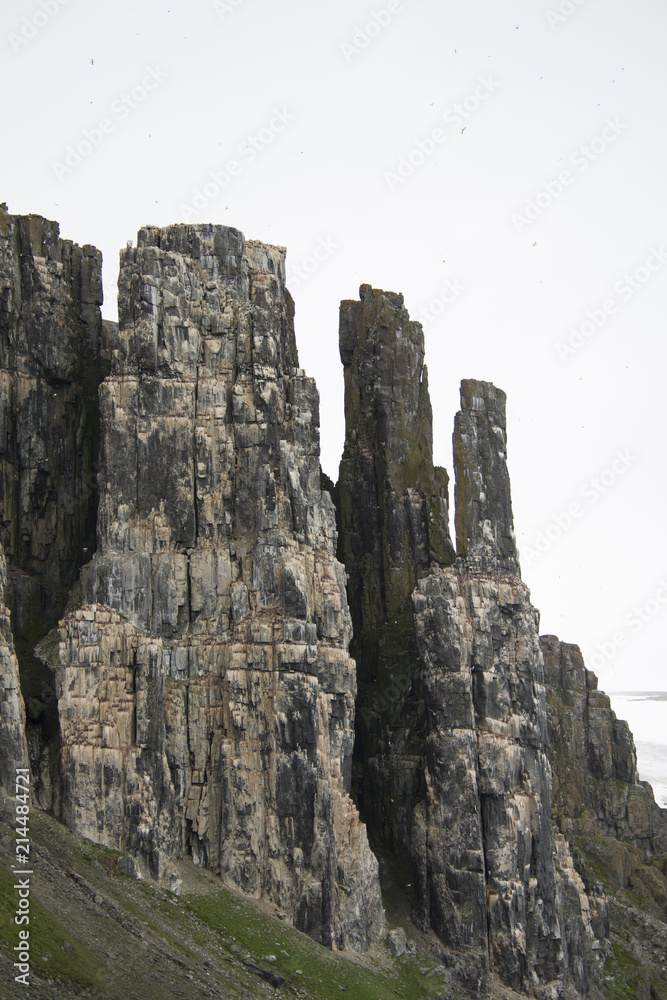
[
  {"x": 617, "y": 833},
  {"x": 487, "y": 812},
  {"x": 484, "y": 523},
  {"x": 484, "y": 684},
  {"x": 394, "y": 515},
  {"x": 393, "y": 529},
  {"x": 117, "y": 784},
  {"x": 452, "y": 722},
  {"x": 50, "y": 326},
  {"x": 217, "y": 545},
  {"x": 13, "y": 746},
  {"x": 597, "y": 791},
  {"x": 50, "y": 370}
]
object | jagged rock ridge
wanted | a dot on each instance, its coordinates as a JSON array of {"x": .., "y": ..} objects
[
  {"x": 220, "y": 712},
  {"x": 205, "y": 692},
  {"x": 461, "y": 744}
]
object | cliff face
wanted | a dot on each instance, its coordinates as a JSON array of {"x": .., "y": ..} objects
[
  {"x": 207, "y": 682},
  {"x": 453, "y": 753},
  {"x": 599, "y": 801},
  {"x": 50, "y": 370},
  {"x": 201, "y": 696},
  {"x": 13, "y": 745},
  {"x": 393, "y": 519},
  {"x": 617, "y": 833}
]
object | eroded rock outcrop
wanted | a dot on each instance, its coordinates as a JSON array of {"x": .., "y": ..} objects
[
  {"x": 205, "y": 687},
  {"x": 616, "y": 831},
  {"x": 597, "y": 791},
  {"x": 50, "y": 370},
  {"x": 13, "y": 745},
  {"x": 394, "y": 528},
  {"x": 483, "y": 502},
  {"x": 207, "y": 681},
  {"x": 454, "y": 752}
]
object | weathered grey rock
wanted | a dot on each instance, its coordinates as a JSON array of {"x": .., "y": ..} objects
[
  {"x": 397, "y": 942},
  {"x": 117, "y": 788},
  {"x": 452, "y": 721},
  {"x": 220, "y": 712},
  {"x": 484, "y": 523},
  {"x": 484, "y": 845},
  {"x": 393, "y": 528},
  {"x": 50, "y": 370},
  {"x": 617, "y": 833},
  {"x": 597, "y": 791},
  {"x": 206, "y": 695},
  {"x": 13, "y": 745},
  {"x": 394, "y": 519}
]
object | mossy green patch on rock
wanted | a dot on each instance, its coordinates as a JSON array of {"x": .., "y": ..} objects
[{"x": 94, "y": 928}]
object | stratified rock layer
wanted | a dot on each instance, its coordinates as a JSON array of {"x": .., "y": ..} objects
[
  {"x": 597, "y": 791},
  {"x": 13, "y": 746},
  {"x": 617, "y": 832},
  {"x": 452, "y": 730},
  {"x": 50, "y": 370},
  {"x": 484, "y": 523},
  {"x": 489, "y": 774},
  {"x": 206, "y": 690},
  {"x": 393, "y": 523}
]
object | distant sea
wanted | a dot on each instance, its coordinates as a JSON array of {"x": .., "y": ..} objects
[{"x": 646, "y": 714}]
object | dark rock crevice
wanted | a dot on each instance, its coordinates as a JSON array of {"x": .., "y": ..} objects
[{"x": 51, "y": 365}]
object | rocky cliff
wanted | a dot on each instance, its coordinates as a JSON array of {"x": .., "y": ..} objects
[
  {"x": 452, "y": 731},
  {"x": 50, "y": 369},
  {"x": 615, "y": 831},
  {"x": 206, "y": 692},
  {"x": 13, "y": 745},
  {"x": 221, "y": 688}
]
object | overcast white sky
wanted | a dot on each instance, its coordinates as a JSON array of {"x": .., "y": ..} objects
[{"x": 501, "y": 164}]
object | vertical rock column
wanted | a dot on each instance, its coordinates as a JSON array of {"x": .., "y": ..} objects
[
  {"x": 50, "y": 370},
  {"x": 451, "y": 731},
  {"x": 503, "y": 665},
  {"x": 393, "y": 518},
  {"x": 13, "y": 746},
  {"x": 217, "y": 545},
  {"x": 597, "y": 791},
  {"x": 484, "y": 522}
]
